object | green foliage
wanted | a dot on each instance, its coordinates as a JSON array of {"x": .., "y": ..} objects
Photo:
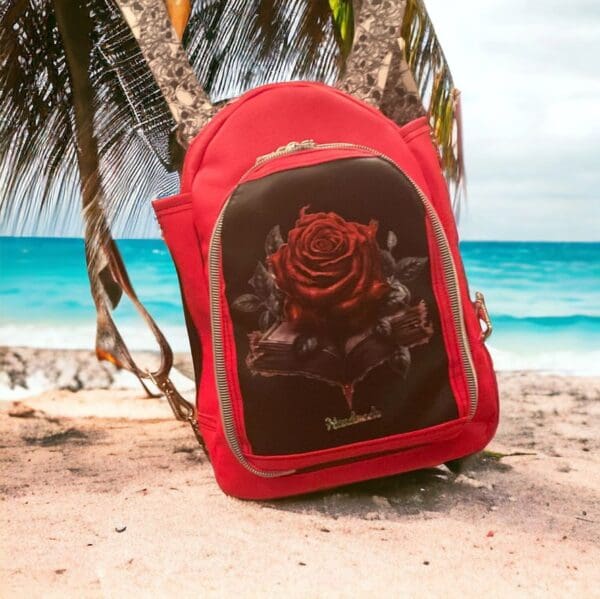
[
  {"x": 342, "y": 12},
  {"x": 432, "y": 74}
]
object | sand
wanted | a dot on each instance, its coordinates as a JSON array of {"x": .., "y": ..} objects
[{"x": 103, "y": 494}]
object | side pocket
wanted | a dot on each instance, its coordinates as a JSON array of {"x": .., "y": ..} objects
[
  {"x": 417, "y": 135},
  {"x": 174, "y": 215}
]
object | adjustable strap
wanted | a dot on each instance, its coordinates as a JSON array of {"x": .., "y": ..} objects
[
  {"x": 182, "y": 408},
  {"x": 153, "y": 30},
  {"x": 110, "y": 345},
  {"x": 108, "y": 281},
  {"x": 397, "y": 62},
  {"x": 376, "y": 70}
]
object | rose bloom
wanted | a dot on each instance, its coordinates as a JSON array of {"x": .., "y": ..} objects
[{"x": 330, "y": 271}]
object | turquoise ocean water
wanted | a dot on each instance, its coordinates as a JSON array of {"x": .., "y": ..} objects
[{"x": 544, "y": 298}]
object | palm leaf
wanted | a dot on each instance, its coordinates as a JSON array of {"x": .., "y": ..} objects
[
  {"x": 38, "y": 150},
  {"x": 343, "y": 18},
  {"x": 132, "y": 123},
  {"x": 235, "y": 45},
  {"x": 433, "y": 78},
  {"x": 75, "y": 90}
]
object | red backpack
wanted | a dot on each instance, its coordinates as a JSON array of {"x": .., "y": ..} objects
[{"x": 333, "y": 334}]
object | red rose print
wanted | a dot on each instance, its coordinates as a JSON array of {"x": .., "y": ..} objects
[{"x": 330, "y": 271}]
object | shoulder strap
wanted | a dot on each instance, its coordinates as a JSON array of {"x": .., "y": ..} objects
[
  {"x": 396, "y": 64},
  {"x": 153, "y": 30},
  {"x": 376, "y": 70}
]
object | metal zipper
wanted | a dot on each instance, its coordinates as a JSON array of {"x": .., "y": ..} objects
[
  {"x": 293, "y": 146},
  {"x": 214, "y": 263}
]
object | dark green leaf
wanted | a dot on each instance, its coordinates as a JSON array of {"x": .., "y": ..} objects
[
  {"x": 274, "y": 305},
  {"x": 262, "y": 282},
  {"x": 247, "y": 303},
  {"x": 266, "y": 320},
  {"x": 409, "y": 268},
  {"x": 392, "y": 240},
  {"x": 274, "y": 240}
]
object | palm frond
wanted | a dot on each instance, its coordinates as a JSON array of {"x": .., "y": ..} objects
[
  {"x": 433, "y": 78},
  {"x": 38, "y": 157},
  {"x": 235, "y": 45},
  {"x": 343, "y": 18},
  {"x": 81, "y": 114}
]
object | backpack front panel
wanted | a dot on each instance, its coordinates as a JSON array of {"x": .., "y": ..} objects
[
  {"x": 327, "y": 277},
  {"x": 351, "y": 346}
]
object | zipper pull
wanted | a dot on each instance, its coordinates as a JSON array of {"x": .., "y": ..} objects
[
  {"x": 483, "y": 314},
  {"x": 292, "y": 146}
]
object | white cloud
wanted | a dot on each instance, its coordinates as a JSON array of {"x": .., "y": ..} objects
[{"x": 530, "y": 78}]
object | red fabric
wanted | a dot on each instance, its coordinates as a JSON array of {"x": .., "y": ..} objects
[{"x": 222, "y": 153}]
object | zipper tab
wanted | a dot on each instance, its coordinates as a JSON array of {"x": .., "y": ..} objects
[
  {"x": 293, "y": 146},
  {"x": 484, "y": 315}
]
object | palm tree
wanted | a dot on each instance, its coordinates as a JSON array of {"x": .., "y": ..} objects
[{"x": 88, "y": 102}]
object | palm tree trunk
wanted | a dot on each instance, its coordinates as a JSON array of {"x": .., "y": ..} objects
[
  {"x": 74, "y": 23},
  {"x": 106, "y": 270}
]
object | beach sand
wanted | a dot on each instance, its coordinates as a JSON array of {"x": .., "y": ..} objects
[{"x": 104, "y": 494}]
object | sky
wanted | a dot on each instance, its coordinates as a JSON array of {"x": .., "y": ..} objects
[{"x": 529, "y": 72}]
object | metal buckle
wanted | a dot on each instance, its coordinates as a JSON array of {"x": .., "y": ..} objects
[
  {"x": 484, "y": 315},
  {"x": 182, "y": 408}
]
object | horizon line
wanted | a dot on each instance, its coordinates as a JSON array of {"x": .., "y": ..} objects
[{"x": 467, "y": 240}]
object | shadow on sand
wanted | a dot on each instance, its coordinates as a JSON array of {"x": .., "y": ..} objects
[{"x": 433, "y": 489}]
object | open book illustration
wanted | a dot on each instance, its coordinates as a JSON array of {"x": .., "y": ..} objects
[{"x": 275, "y": 351}]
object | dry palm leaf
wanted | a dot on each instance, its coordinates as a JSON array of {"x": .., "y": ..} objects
[
  {"x": 233, "y": 45},
  {"x": 432, "y": 75}
]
